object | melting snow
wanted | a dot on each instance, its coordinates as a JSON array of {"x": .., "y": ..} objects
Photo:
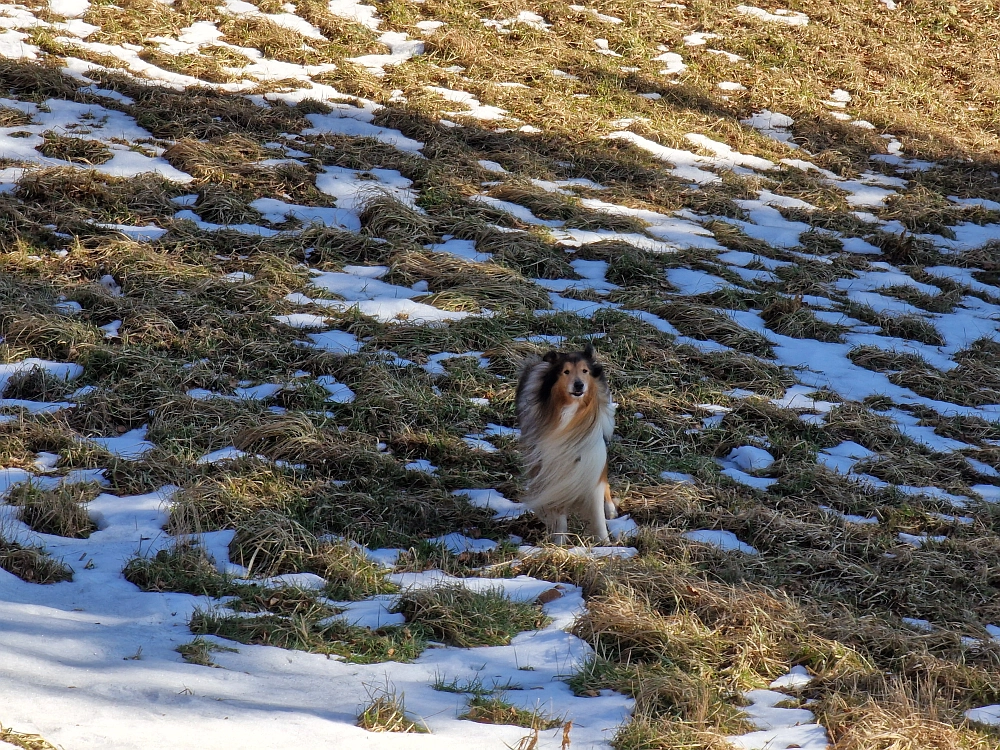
[
  {"x": 89, "y": 122},
  {"x": 690, "y": 281},
  {"x": 772, "y": 124},
  {"x": 599, "y": 16},
  {"x": 919, "y": 540},
  {"x": 493, "y": 500},
  {"x": 724, "y": 540},
  {"x": 675, "y": 63},
  {"x": 750, "y": 458},
  {"x": 984, "y": 715},
  {"x": 421, "y": 465},
  {"x": 100, "y": 620},
  {"x": 130, "y": 445},
  {"x": 524, "y": 18},
  {"x": 850, "y": 518},
  {"x": 473, "y": 107},
  {"x": 782, "y": 16}
]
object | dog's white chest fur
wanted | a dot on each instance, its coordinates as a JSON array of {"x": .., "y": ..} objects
[
  {"x": 568, "y": 412},
  {"x": 573, "y": 465}
]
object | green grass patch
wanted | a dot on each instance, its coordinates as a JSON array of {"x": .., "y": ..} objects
[
  {"x": 183, "y": 568},
  {"x": 32, "y": 564},
  {"x": 386, "y": 712},
  {"x": 464, "y": 618},
  {"x": 494, "y": 710},
  {"x": 307, "y": 628},
  {"x": 199, "y": 651}
]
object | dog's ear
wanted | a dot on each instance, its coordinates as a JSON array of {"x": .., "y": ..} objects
[
  {"x": 589, "y": 352},
  {"x": 550, "y": 356}
]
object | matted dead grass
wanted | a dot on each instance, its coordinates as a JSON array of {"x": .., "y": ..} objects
[
  {"x": 492, "y": 285},
  {"x": 896, "y": 715},
  {"x": 32, "y": 564},
  {"x": 683, "y": 627},
  {"x": 26, "y": 740}
]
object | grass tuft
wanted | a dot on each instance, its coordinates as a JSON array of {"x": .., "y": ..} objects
[
  {"x": 349, "y": 574},
  {"x": 464, "y": 618},
  {"x": 74, "y": 149},
  {"x": 32, "y": 564},
  {"x": 897, "y": 715},
  {"x": 385, "y": 712},
  {"x": 60, "y": 511},
  {"x": 199, "y": 651},
  {"x": 306, "y": 625},
  {"x": 25, "y": 740},
  {"x": 475, "y": 686},
  {"x": 492, "y": 709},
  {"x": 386, "y": 217},
  {"x": 790, "y": 317},
  {"x": 183, "y": 568}
]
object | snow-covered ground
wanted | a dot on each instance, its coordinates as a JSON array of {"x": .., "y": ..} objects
[{"x": 92, "y": 663}]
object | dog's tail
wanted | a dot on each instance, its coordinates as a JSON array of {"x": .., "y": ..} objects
[{"x": 527, "y": 363}]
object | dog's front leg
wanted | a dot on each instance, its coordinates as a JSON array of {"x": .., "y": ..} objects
[
  {"x": 598, "y": 509},
  {"x": 558, "y": 527},
  {"x": 610, "y": 509}
]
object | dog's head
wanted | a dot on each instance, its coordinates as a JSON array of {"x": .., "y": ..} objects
[{"x": 575, "y": 375}]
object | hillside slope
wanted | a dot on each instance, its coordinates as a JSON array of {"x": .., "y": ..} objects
[{"x": 267, "y": 272}]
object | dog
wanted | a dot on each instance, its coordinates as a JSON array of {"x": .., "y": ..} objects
[{"x": 565, "y": 413}]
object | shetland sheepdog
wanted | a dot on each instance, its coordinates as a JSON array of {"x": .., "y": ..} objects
[{"x": 565, "y": 413}]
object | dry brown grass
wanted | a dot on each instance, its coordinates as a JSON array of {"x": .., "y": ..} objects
[
  {"x": 218, "y": 204},
  {"x": 11, "y": 117},
  {"x": 703, "y": 322},
  {"x": 60, "y": 511},
  {"x": 790, "y": 317},
  {"x": 385, "y": 712},
  {"x": 220, "y": 502},
  {"x": 271, "y": 543},
  {"x": 32, "y": 564},
  {"x": 494, "y": 286},
  {"x": 71, "y": 193},
  {"x": 204, "y": 67},
  {"x": 133, "y": 21},
  {"x": 25, "y": 740},
  {"x": 51, "y": 337},
  {"x": 894, "y": 715},
  {"x": 683, "y": 627},
  {"x": 74, "y": 149},
  {"x": 350, "y": 37},
  {"x": 274, "y": 41},
  {"x": 201, "y": 113},
  {"x": 916, "y": 75},
  {"x": 386, "y": 217},
  {"x": 915, "y": 78},
  {"x": 213, "y": 159}
]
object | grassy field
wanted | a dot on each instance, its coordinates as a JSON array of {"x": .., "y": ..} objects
[{"x": 196, "y": 199}]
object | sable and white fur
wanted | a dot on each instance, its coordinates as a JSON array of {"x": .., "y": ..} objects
[{"x": 565, "y": 413}]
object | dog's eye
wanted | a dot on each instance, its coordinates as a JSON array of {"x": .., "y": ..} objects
[
  {"x": 565, "y": 372},
  {"x": 585, "y": 372}
]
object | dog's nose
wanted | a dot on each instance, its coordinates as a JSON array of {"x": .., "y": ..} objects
[{"x": 577, "y": 386}]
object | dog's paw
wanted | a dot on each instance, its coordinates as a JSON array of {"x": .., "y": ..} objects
[{"x": 610, "y": 509}]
